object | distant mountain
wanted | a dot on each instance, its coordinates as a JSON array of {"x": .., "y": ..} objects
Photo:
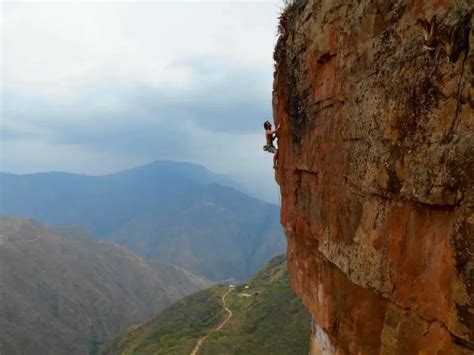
[
  {"x": 267, "y": 318},
  {"x": 62, "y": 292},
  {"x": 175, "y": 212}
]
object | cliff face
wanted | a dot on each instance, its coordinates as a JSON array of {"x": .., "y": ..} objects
[{"x": 376, "y": 169}]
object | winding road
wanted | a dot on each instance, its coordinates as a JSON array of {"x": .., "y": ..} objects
[{"x": 219, "y": 327}]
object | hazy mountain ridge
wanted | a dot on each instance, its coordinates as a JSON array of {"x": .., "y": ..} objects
[
  {"x": 61, "y": 291},
  {"x": 179, "y": 213},
  {"x": 78, "y": 199},
  {"x": 267, "y": 318}
]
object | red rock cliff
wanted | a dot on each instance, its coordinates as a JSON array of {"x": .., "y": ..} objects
[{"x": 376, "y": 170}]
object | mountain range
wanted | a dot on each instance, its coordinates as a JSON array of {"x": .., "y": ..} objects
[
  {"x": 63, "y": 292},
  {"x": 178, "y": 213}
]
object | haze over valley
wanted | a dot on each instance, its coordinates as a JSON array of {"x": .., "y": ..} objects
[{"x": 178, "y": 213}]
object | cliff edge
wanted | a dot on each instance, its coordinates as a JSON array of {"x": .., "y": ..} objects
[{"x": 376, "y": 170}]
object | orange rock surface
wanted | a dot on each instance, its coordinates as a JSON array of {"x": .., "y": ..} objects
[{"x": 376, "y": 171}]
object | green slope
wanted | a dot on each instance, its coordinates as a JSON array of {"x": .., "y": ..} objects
[{"x": 266, "y": 319}]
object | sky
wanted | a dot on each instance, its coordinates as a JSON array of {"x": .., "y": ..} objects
[{"x": 97, "y": 87}]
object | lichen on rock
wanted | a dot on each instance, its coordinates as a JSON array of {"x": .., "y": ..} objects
[{"x": 376, "y": 171}]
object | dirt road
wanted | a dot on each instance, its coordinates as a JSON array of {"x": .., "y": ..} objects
[{"x": 219, "y": 327}]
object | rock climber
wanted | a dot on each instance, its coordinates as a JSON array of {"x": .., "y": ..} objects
[{"x": 270, "y": 136}]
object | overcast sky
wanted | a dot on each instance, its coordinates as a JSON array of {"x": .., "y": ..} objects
[{"x": 96, "y": 87}]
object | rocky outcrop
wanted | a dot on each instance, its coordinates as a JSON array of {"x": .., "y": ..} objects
[{"x": 376, "y": 169}]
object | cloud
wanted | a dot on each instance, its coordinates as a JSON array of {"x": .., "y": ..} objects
[
  {"x": 97, "y": 87},
  {"x": 63, "y": 47}
]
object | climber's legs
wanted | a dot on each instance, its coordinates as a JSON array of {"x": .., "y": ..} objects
[{"x": 275, "y": 159}]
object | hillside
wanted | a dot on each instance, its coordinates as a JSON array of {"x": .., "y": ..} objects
[
  {"x": 266, "y": 319},
  {"x": 62, "y": 292},
  {"x": 178, "y": 213}
]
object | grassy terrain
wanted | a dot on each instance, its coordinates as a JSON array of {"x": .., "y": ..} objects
[
  {"x": 271, "y": 321},
  {"x": 267, "y": 319},
  {"x": 176, "y": 329}
]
